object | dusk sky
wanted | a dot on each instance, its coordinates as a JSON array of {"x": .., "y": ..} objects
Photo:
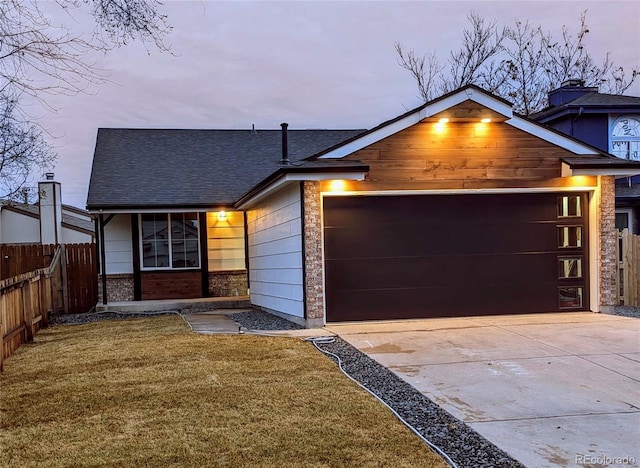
[{"x": 311, "y": 64}]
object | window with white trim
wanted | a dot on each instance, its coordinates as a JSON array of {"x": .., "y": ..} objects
[
  {"x": 169, "y": 241},
  {"x": 625, "y": 137}
]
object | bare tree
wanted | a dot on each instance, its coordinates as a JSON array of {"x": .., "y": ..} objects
[
  {"x": 22, "y": 149},
  {"x": 39, "y": 58},
  {"x": 520, "y": 63}
]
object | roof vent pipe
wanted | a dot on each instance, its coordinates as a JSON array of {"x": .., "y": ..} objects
[{"x": 285, "y": 146}]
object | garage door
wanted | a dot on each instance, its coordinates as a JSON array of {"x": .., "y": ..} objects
[{"x": 390, "y": 257}]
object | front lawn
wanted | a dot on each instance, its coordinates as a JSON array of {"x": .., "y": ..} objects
[{"x": 148, "y": 392}]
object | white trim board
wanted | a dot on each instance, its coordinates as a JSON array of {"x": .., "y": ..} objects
[{"x": 505, "y": 191}]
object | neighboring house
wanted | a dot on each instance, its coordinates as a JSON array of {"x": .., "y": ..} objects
[
  {"x": 609, "y": 122},
  {"x": 46, "y": 222},
  {"x": 456, "y": 208}
]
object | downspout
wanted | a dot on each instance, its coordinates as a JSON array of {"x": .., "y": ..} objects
[
  {"x": 246, "y": 252},
  {"x": 580, "y": 111},
  {"x": 103, "y": 256}
]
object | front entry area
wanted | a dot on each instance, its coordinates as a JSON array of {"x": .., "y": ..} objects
[{"x": 423, "y": 256}]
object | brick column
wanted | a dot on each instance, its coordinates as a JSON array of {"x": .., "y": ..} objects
[
  {"x": 314, "y": 290},
  {"x": 608, "y": 238}
]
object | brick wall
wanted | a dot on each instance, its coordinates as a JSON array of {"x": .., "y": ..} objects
[
  {"x": 119, "y": 288},
  {"x": 313, "y": 255},
  {"x": 608, "y": 238},
  {"x": 228, "y": 283}
]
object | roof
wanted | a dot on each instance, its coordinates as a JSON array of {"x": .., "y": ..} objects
[
  {"x": 147, "y": 168},
  {"x": 591, "y": 102},
  {"x": 68, "y": 221}
]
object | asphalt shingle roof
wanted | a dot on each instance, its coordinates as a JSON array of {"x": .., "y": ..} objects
[
  {"x": 590, "y": 100},
  {"x": 73, "y": 222},
  {"x": 164, "y": 168}
]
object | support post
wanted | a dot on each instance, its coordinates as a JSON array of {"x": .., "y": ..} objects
[{"x": 103, "y": 269}]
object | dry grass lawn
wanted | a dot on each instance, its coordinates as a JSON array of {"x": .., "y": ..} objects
[{"x": 147, "y": 392}]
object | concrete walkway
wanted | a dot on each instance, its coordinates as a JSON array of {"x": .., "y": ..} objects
[
  {"x": 217, "y": 322},
  {"x": 549, "y": 389}
]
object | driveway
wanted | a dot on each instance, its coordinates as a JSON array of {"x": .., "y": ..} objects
[{"x": 549, "y": 389}]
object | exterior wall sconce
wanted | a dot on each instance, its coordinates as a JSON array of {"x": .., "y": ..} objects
[
  {"x": 485, "y": 120},
  {"x": 443, "y": 120},
  {"x": 337, "y": 185},
  {"x": 222, "y": 215}
]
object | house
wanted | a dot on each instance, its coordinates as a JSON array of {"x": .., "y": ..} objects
[
  {"x": 459, "y": 207},
  {"x": 609, "y": 122},
  {"x": 47, "y": 222}
]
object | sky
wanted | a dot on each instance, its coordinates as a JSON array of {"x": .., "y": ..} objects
[{"x": 312, "y": 64}]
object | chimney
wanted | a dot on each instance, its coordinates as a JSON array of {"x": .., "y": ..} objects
[
  {"x": 285, "y": 146},
  {"x": 50, "y": 200},
  {"x": 568, "y": 91}
]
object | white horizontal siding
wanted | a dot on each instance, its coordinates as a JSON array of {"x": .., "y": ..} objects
[
  {"x": 118, "y": 245},
  {"x": 19, "y": 229},
  {"x": 284, "y": 305},
  {"x": 71, "y": 236},
  {"x": 284, "y": 275},
  {"x": 275, "y": 252}
]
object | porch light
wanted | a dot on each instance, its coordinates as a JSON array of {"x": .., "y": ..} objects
[
  {"x": 222, "y": 215},
  {"x": 485, "y": 120},
  {"x": 337, "y": 185},
  {"x": 443, "y": 120}
]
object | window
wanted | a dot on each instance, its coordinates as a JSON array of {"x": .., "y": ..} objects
[
  {"x": 569, "y": 236},
  {"x": 170, "y": 241},
  {"x": 625, "y": 137},
  {"x": 569, "y": 206},
  {"x": 623, "y": 219},
  {"x": 569, "y": 267},
  {"x": 570, "y": 297}
]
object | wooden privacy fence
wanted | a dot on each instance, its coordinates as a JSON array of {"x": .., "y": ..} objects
[
  {"x": 80, "y": 275},
  {"x": 629, "y": 268},
  {"x": 26, "y": 302},
  {"x": 17, "y": 259}
]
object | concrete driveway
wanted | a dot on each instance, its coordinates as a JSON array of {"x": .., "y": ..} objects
[{"x": 549, "y": 389}]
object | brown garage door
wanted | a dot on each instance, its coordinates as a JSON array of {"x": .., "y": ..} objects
[{"x": 389, "y": 257}]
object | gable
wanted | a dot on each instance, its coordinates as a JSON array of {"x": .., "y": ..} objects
[
  {"x": 466, "y": 104},
  {"x": 461, "y": 151}
]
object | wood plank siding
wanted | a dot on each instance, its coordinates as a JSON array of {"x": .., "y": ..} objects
[{"x": 460, "y": 155}]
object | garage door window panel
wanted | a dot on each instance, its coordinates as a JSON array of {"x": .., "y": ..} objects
[
  {"x": 570, "y": 206},
  {"x": 570, "y": 297},
  {"x": 569, "y": 237},
  {"x": 569, "y": 267}
]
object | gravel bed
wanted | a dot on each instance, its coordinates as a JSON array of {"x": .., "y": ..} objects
[
  {"x": 78, "y": 319},
  {"x": 627, "y": 311},
  {"x": 258, "y": 320}
]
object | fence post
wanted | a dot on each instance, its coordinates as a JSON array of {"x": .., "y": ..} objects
[
  {"x": 42, "y": 298},
  {"x": 634, "y": 276},
  {"x": 1, "y": 349},
  {"x": 27, "y": 311},
  {"x": 65, "y": 279}
]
